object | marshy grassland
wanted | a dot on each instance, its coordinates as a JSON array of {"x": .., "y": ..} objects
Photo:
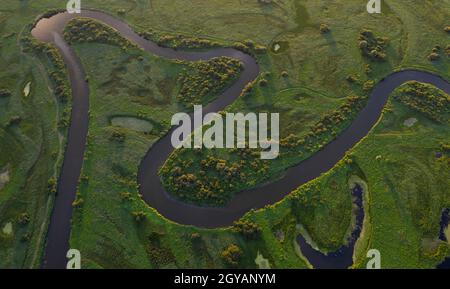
[{"x": 307, "y": 75}]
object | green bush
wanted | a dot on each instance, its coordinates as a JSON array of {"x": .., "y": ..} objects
[
  {"x": 324, "y": 28},
  {"x": 24, "y": 218},
  {"x": 5, "y": 93},
  {"x": 178, "y": 41},
  {"x": 139, "y": 216}
]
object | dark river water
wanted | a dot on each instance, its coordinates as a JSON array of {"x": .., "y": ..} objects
[{"x": 151, "y": 189}]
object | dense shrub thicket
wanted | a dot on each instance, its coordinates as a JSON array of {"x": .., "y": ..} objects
[
  {"x": 205, "y": 177},
  {"x": 81, "y": 30},
  {"x": 178, "y": 41},
  {"x": 57, "y": 71},
  {"x": 184, "y": 42},
  {"x": 425, "y": 98},
  {"x": 250, "y": 47},
  {"x": 371, "y": 46},
  {"x": 248, "y": 229},
  {"x": 204, "y": 79},
  {"x": 159, "y": 255}
]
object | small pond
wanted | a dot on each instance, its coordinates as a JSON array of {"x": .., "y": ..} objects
[{"x": 133, "y": 123}]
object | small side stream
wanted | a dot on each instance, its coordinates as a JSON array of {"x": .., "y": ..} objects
[{"x": 342, "y": 258}]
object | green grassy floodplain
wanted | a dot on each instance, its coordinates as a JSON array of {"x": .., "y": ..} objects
[{"x": 405, "y": 183}]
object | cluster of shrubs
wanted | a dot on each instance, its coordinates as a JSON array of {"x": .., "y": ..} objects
[
  {"x": 159, "y": 255},
  {"x": 205, "y": 79},
  {"x": 178, "y": 41},
  {"x": 184, "y": 42},
  {"x": 425, "y": 98},
  {"x": 213, "y": 180},
  {"x": 79, "y": 201},
  {"x": 64, "y": 119},
  {"x": 326, "y": 128},
  {"x": 435, "y": 53},
  {"x": 125, "y": 196},
  {"x": 57, "y": 71},
  {"x": 368, "y": 85},
  {"x": 250, "y": 47},
  {"x": 248, "y": 229},
  {"x": 14, "y": 120},
  {"x": 83, "y": 30},
  {"x": 371, "y": 46},
  {"x": 248, "y": 89}
]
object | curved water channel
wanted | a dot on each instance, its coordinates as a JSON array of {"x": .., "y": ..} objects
[
  {"x": 343, "y": 257},
  {"x": 153, "y": 193}
]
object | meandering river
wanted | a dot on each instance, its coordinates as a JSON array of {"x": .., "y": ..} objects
[{"x": 151, "y": 189}]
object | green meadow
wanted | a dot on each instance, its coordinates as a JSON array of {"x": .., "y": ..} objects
[{"x": 308, "y": 75}]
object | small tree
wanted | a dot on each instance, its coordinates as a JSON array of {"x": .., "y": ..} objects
[
  {"x": 125, "y": 196},
  {"x": 51, "y": 185},
  {"x": 14, "y": 120},
  {"x": 324, "y": 28},
  {"x": 79, "y": 201},
  {"x": 351, "y": 78},
  {"x": 117, "y": 136},
  {"x": 24, "y": 219},
  {"x": 139, "y": 216},
  {"x": 195, "y": 237},
  {"x": 232, "y": 255}
]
